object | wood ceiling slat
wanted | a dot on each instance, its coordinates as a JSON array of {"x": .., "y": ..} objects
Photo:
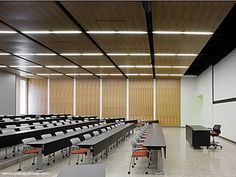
[
  {"x": 132, "y": 60},
  {"x": 35, "y": 16},
  {"x": 108, "y": 15},
  {"x": 173, "y": 61},
  {"x": 90, "y": 60}
]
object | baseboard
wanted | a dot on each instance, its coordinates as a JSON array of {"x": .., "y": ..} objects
[
  {"x": 227, "y": 139},
  {"x": 13, "y": 161}
]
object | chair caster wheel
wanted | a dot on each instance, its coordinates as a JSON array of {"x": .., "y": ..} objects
[
  {"x": 132, "y": 166},
  {"x": 48, "y": 164},
  {"x": 77, "y": 163},
  {"x": 128, "y": 172},
  {"x": 32, "y": 163},
  {"x": 63, "y": 156},
  {"x": 54, "y": 161},
  {"x": 146, "y": 172},
  {"x": 13, "y": 155},
  {"x": 134, "y": 163},
  {"x": 19, "y": 169},
  {"x": 81, "y": 160},
  {"x": 5, "y": 157}
]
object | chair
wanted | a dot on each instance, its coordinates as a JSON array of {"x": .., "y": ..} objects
[
  {"x": 136, "y": 153},
  {"x": 76, "y": 150},
  {"x": 90, "y": 126},
  {"x": 70, "y": 131},
  {"x": 96, "y": 133},
  {"x": 28, "y": 150},
  {"x": 84, "y": 127},
  {"x": 59, "y": 133},
  {"x": 103, "y": 130},
  {"x": 213, "y": 133},
  {"x": 87, "y": 136},
  {"x": 46, "y": 136},
  {"x": 77, "y": 129},
  {"x": 8, "y": 131}
]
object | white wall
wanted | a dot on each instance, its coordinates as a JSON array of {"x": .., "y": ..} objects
[{"x": 207, "y": 113}]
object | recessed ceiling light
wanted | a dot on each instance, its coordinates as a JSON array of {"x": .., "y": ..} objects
[
  {"x": 8, "y": 32},
  {"x": 128, "y": 54},
  {"x": 176, "y": 67},
  {"x": 131, "y": 74},
  {"x": 3, "y": 66},
  {"x": 183, "y": 32},
  {"x": 115, "y": 74},
  {"x": 72, "y": 74},
  {"x": 135, "y": 66},
  {"x": 81, "y": 54},
  {"x": 35, "y": 54},
  {"x": 49, "y": 74},
  {"x": 178, "y": 75},
  {"x": 63, "y": 66},
  {"x": 5, "y": 54},
  {"x": 102, "y": 66},
  {"x": 116, "y": 32},
  {"x": 29, "y": 66},
  {"x": 139, "y": 74},
  {"x": 139, "y": 54},
  {"x": 144, "y": 74},
  {"x": 117, "y": 54},
  {"x": 176, "y": 54},
  {"x": 102, "y": 74},
  {"x": 85, "y": 74},
  {"x": 26, "y": 74},
  {"x": 51, "y": 32}
]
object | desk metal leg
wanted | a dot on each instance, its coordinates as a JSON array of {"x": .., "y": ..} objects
[
  {"x": 89, "y": 160},
  {"x": 39, "y": 161},
  {"x": 160, "y": 170}
]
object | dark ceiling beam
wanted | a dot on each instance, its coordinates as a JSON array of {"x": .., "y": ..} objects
[
  {"x": 147, "y": 5},
  {"x": 221, "y": 43},
  {"x": 41, "y": 44},
  {"x": 72, "y": 18},
  {"x": 25, "y": 59}
]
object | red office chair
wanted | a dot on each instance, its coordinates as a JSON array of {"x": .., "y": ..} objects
[{"x": 215, "y": 132}]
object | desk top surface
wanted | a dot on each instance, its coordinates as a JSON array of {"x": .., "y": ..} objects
[
  {"x": 155, "y": 137},
  {"x": 199, "y": 128},
  {"x": 96, "y": 139},
  {"x": 95, "y": 170}
]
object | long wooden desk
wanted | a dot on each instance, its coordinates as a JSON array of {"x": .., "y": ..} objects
[
  {"x": 56, "y": 143},
  {"x": 155, "y": 141},
  {"x": 11, "y": 139},
  {"x": 98, "y": 143},
  {"x": 30, "y": 122}
]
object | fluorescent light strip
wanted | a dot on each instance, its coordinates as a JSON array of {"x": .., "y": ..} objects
[
  {"x": 103, "y": 74},
  {"x": 5, "y": 54},
  {"x": 116, "y": 32},
  {"x": 80, "y": 74},
  {"x": 3, "y": 66},
  {"x": 178, "y": 75},
  {"x": 93, "y": 66},
  {"x": 8, "y": 32},
  {"x": 51, "y": 32},
  {"x": 81, "y": 54},
  {"x": 26, "y": 74},
  {"x": 35, "y": 54},
  {"x": 183, "y": 32},
  {"x": 176, "y": 67},
  {"x": 140, "y": 74},
  {"x": 21, "y": 66},
  {"x": 176, "y": 54},
  {"x": 47, "y": 74},
  {"x": 128, "y": 54},
  {"x": 135, "y": 66},
  {"x": 58, "y": 66}
]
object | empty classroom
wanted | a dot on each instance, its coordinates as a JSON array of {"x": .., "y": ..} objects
[{"x": 117, "y": 88}]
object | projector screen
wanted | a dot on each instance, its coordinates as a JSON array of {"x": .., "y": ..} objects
[{"x": 225, "y": 78}]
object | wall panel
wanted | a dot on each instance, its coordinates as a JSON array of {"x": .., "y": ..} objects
[
  {"x": 168, "y": 101},
  {"x": 37, "y": 96},
  {"x": 141, "y": 99},
  {"x": 113, "y": 97},
  {"x": 87, "y": 96},
  {"x": 61, "y": 96}
]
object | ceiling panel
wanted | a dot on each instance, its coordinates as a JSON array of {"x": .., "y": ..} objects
[
  {"x": 108, "y": 15},
  {"x": 189, "y": 16},
  {"x": 173, "y": 61},
  {"x": 90, "y": 60},
  {"x": 170, "y": 71},
  {"x": 105, "y": 70},
  {"x": 11, "y": 60},
  {"x": 70, "y": 70},
  {"x": 35, "y": 16},
  {"x": 137, "y": 70},
  {"x": 132, "y": 60},
  {"x": 18, "y": 72},
  {"x": 67, "y": 43},
  {"x": 115, "y": 43}
]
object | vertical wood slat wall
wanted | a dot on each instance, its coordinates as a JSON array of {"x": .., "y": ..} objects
[
  {"x": 61, "y": 96},
  {"x": 141, "y": 99},
  {"x": 37, "y": 96},
  {"x": 87, "y": 96},
  {"x": 114, "y": 97},
  {"x": 168, "y": 101}
]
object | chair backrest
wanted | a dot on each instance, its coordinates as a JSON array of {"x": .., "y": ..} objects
[
  {"x": 28, "y": 140},
  {"x": 112, "y": 126},
  {"x": 36, "y": 123},
  {"x": 59, "y": 133},
  {"x": 7, "y": 131},
  {"x": 11, "y": 126},
  {"x": 70, "y": 130},
  {"x": 75, "y": 141},
  {"x": 87, "y": 136},
  {"x": 45, "y": 122},
  {"x": 95, "y": 125},
  {"x": 90, "y": 126},
  {"x": 45, "y": 136},
  {"x": 39, "y": 126},
  {"x": 24, "y": 128},
  {"x": 216, "y": 128},
  {"x": 95, "y": 133},
  {"x": 77, "y": 129},
  {"x": 108, "y": 128},
  {"x": 103, "y": 130},
  {"x": 84, "y": 127}
]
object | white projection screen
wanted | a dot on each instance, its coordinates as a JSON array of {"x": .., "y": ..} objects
[{"x": 225, "y": 78}]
